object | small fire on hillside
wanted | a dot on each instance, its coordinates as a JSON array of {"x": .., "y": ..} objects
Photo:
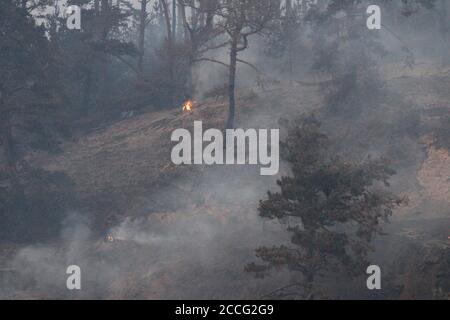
[{"x": 188, "y": 105}]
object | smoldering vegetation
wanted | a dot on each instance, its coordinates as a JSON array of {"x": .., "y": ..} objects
[
  {"x": 187, "y": 253},
  {"x": 101, "y": 193}
]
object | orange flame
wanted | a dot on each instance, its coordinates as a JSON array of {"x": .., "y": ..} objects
[{"x": 188, "y": 105}]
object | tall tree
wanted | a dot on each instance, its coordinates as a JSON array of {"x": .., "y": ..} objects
[
  {"x": 332, "y": 209},
  {"x": 241, "y": 19},
  {"x": 202, "y": 35},
  {"x": 31, "y": 117},
  {"x": 174, "y": 20},
  {"x": 24, "y": 63},
  {"x": 170, "y": 43},
  {"x": 141, "y": 40}
]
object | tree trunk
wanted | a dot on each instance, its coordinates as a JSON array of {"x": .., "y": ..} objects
[
  {"x": 174, "y": 20},
  {"x": 167, "y": 20},
  {"x": 232, "y": 84},
  {"x": 105, "y": 28},
  {"x": 290, "y": 37},
  {"x": 141, "y": 44},
  {"x": 170, "y": 46},
  {"x": 97, "y": 7},
  {"x": 288, "y": 8},
  {"x": 105, "y": 16},
  {"x": 181, "y": 29}
]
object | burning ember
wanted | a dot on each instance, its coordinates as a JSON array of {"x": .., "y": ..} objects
[
  {"x": 187, "y": 106},
  {"x": 110, "y": 238}
]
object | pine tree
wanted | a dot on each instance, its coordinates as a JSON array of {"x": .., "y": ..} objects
[{"x": 332, "y": 208}]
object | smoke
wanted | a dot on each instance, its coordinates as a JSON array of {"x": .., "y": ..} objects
[
  {"x": 196, "y": 252},
  {"x": 200, "y": 249}
]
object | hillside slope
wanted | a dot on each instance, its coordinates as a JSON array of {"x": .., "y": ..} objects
[{"x": 174, "y": 222}]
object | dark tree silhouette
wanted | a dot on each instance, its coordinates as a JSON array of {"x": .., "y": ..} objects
[
  {"x": 332, "y": 207},
  {"x": 241, "y": 19}
]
